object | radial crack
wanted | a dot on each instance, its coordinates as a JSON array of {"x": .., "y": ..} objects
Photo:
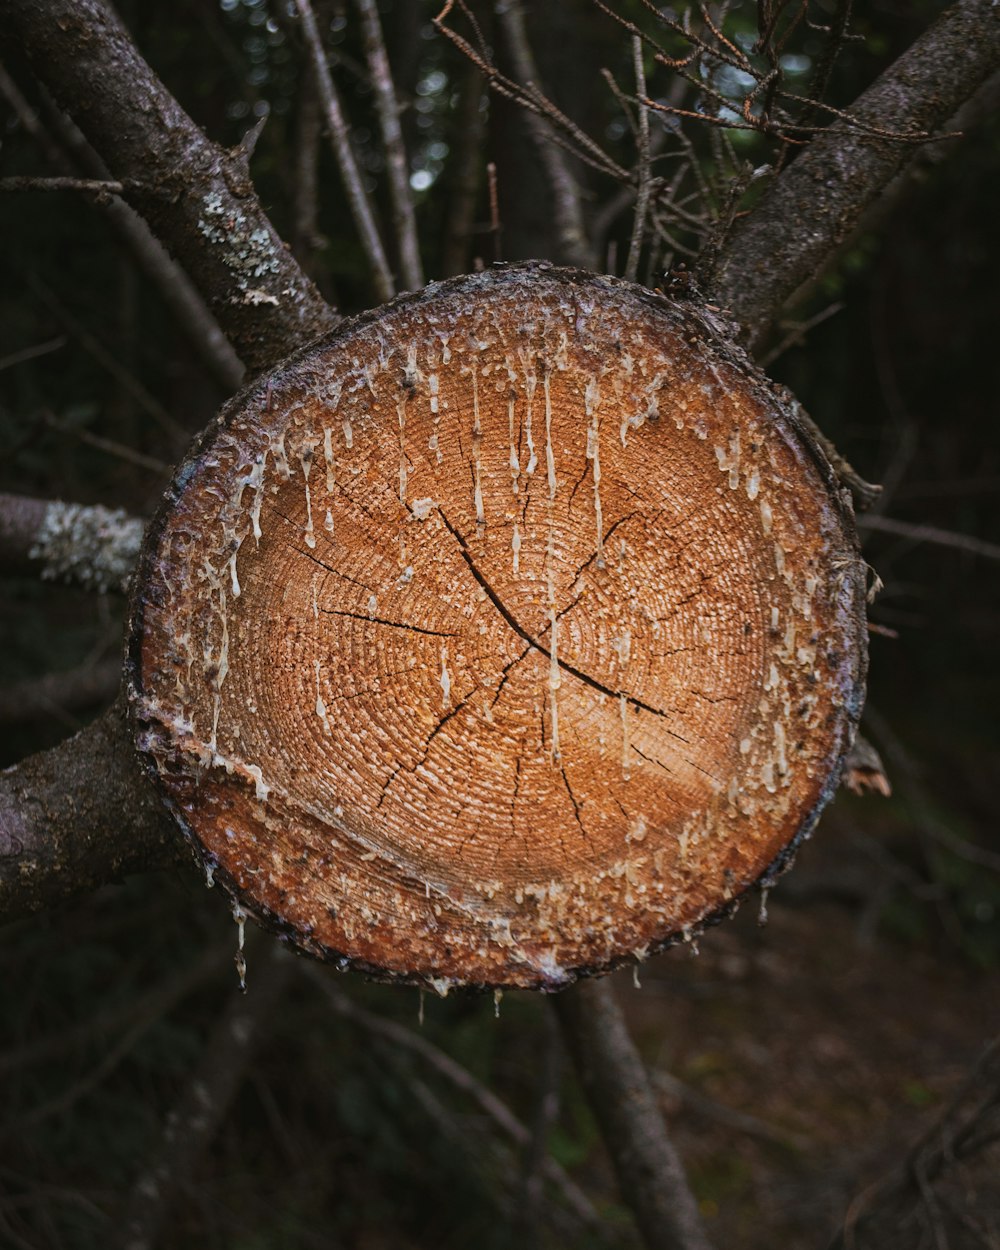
[
  {"x": 381, "y": 620},
  {"x": 519, "y": 629}
]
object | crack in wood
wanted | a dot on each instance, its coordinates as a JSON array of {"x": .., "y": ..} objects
[{"x": 519, "y": 629}]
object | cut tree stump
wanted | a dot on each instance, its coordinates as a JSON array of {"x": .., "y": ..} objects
[{"x": 512, "y": 631}]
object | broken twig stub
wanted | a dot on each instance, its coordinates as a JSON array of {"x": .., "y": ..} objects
[{"x": 510, "y": 632}]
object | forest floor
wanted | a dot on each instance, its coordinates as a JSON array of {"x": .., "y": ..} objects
[{"x": 843, "y": 1042}]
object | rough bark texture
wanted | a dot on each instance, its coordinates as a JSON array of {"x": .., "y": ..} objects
[
  {"x": 197, "y": 197},
  {"x": 89, "y": 546},
  {"x": 513, "y": 631},
  {"x": 77, "y": 817},
  {"x": 813, "y": 206},
  {"x": 648, "y": 1167}
]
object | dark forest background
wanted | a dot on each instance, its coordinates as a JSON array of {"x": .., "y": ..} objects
[{"x": 795, "y": 1061}]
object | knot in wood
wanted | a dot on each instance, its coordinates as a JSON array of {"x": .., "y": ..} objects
[{"x": 512, "y": 631}]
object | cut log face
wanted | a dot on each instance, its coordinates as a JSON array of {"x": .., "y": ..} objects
[{"x": 511, "y": 632}]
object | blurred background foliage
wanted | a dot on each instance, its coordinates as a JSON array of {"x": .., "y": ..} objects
[{"x": 866, "y": 990}]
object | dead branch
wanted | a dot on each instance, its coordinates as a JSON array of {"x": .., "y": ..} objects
[
  {"x": 197, "y": 198},
  {"x": 190, "y": 310},
  {"x": 573, "y": 245},
  {"x": 306, "y": 238},
  {"x": 459, "y": 1077},
  {"x": 156, "y": 1001},
  {"x": 468, "y": 175},
  {"x": 642, "y": 169},
  {"x": 240, "y": 1028},
  {"x": 931, "y": 534},
  {"x": 340, "y": 141},
  {"x": 740, "y": 1121},
  {"x": 154, "y": 1007},
  {"x": 909, "y": 1196},
  {"x": 178, "y": 292},
  {"x": 91, "y": 186},
  {"x": 61, "y": 820},
  {"x": 88, "y": 546},
  {"x": 404, "y": 220},
  {"x": 565, "y": 133},
  {"x": 109, "y": 361},
  {"x": 813, "y": 205},
  {"x": 611, "y": 1071},
  {"x": 60, "y": 694}
]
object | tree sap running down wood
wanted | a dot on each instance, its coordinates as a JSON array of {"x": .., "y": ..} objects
[{"x": 415, "y": 755}]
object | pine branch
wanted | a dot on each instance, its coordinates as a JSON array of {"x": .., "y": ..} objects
[
  {"x": 197, "y": 198},
  {"x": 815, "y": 203}
]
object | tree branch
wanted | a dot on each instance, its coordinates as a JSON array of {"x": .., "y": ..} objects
[
  {"x": 611, "y": 1070},
  {"x": 62, "y": 814},
  {"x": 197, "y": 197},
  {"x": 571, "y": 233},
  {"x": 60, "y": 694},
  {"x": 811, "y": 208},
  {"x": 175, "y": 287},
  {"x": 92, "y": 547},
  {"x": 340, "y": 141},
  {"x": 240, "y": 1028},
  {"x": 395, "y": 150}
]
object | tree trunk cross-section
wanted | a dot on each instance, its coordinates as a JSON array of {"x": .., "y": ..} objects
[{"x": 512, "y": 631}]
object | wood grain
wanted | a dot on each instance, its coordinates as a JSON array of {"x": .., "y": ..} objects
[{"x": 511, "y": 631}]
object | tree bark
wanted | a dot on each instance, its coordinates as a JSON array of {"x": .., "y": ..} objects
[
  {"x": 92, "y": 547},
  {"x": 77, "y": 817},
  {"x": 813, "y": 206},
  {"x": 197, "y": 197},
  {"x": 649, "y": 1169}
]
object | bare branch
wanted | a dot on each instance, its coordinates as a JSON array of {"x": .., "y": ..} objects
[
  {"x": 571, "y": 232},
  {"x": 931, "y": 534},
  {"x": 395, "y": 150},
  {"x": 457, "y": 1076},
  {"x": 92, "y": 186},
  {"x": 340, "y": 141},
  {"x": 181, "y": 296},
  {"x": 648, "y": 1167},
  {"x": 242, "y": 1025},
  {"x": 61, "y": 816},
  {"x": 197, "y": 198},
  {"x": 897, "y": 1205},
  {"x": 468, "y": 175},
  {"x": 92, "y": 547},
  {"x": 642, "y": 172},
  {"x": 60, "y": 694},
  {"x": 816, "y": 201},
  {"x": 175, "y": 287}
]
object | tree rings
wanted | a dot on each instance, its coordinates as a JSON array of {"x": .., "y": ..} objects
[{"x": 511, "y": 631}]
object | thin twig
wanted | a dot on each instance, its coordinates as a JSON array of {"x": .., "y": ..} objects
[
  {"x": 216, "y": 1080},
  {"x": 108, "y": 360},
  {"x": 340, "y": 140},
  {"x": 931, "y": 534},
  {"x": 176, "y": 989},
  {"x": 32, "y": 353},
  {"x": 395, "y": 150},
  {"x": 92, "y": 186},
  {"x": 571, "y": 232},
  {"x": 458, "y": 1076},
  {"x": 189, "y": 309},
  {"x": 642, "y": 168},
  {"x": 496, "y": 229},
  {"x": 109, "y": 446}
]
